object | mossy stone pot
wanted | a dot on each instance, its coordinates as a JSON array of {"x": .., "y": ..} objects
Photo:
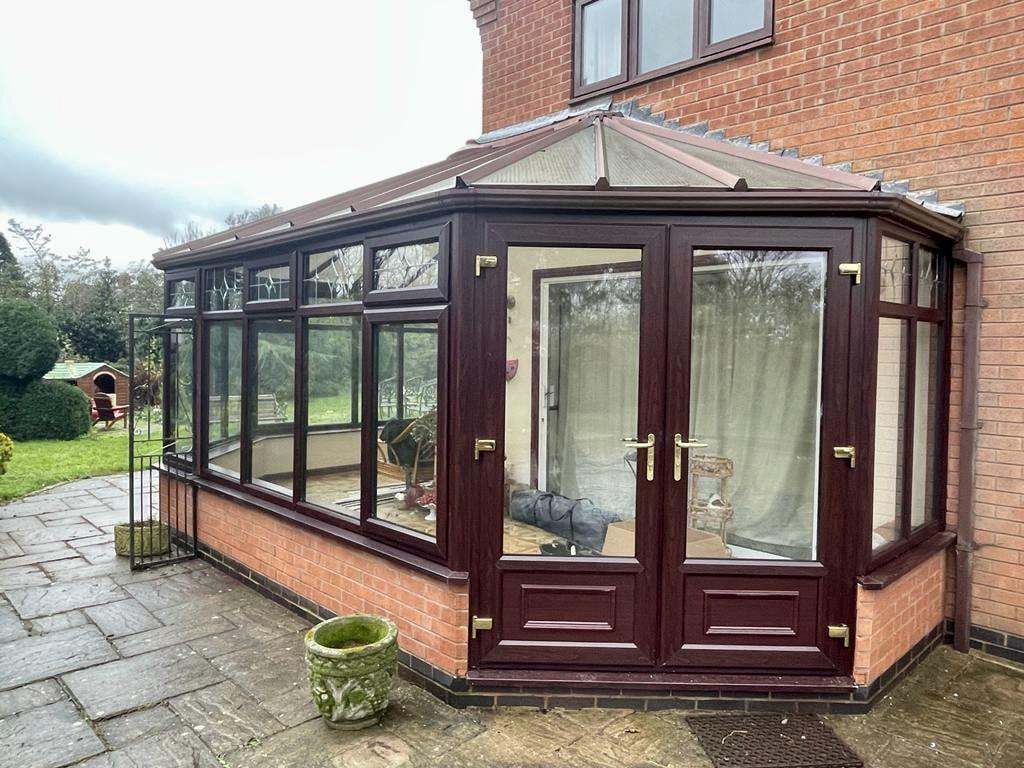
[
  {"x": 351, "y": 662},
  {"x": 149, "y": 539}
]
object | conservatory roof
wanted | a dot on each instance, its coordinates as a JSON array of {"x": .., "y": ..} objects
[{"x": 598, "y": 151}]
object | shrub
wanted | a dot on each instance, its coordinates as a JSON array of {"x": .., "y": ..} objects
[
  {"x": 28, "y": 341},
  {"x": 6, "y": 451},
  {"x": 50, "y": 410},
  {"x": 10, "y": 394}
]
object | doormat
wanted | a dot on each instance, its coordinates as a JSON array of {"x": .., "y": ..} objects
[{"x": 771, "y": 741}]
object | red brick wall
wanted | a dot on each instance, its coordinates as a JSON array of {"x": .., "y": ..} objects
[
  {"x": 431, "y": 616},
  {"x": 926, "y": 90},
  {"x": 891, "y": 620}
]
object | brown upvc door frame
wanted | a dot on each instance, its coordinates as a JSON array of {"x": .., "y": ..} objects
[
  {"x": 810, "y": 595},
  {"x": 555, "y": 585}
]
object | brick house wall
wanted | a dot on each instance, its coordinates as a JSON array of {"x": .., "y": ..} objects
[{"x": 928, "y": 91}]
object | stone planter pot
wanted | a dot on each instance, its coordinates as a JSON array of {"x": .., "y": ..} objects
[
  {"x": 152, "y": 539},
  {"x": 351, "y": 662}
]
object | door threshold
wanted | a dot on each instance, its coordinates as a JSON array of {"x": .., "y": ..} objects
[{"x": 703, "y": 682}]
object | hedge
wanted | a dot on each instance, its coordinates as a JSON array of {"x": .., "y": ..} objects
[
  {"x": 28, "y": 341},
  {"x": 47, "y": 410}
]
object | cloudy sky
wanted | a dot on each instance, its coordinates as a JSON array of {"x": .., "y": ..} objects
[{"x": 119, "y": 122}]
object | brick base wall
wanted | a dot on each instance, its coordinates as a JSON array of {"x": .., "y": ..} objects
[
  {"x": 432, "y": 616},
  {"x": 891, "y": 621}
]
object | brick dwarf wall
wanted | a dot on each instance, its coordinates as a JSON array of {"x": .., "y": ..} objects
[
  {"x": 890, "y": 621},
  {"x": 431, "y": 616},
  {"x": 930, "y": 91}
]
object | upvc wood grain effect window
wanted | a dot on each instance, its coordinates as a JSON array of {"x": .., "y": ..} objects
[{"x": 620, "y": 42}]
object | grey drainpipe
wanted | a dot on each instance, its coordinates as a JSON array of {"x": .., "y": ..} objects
[{"x": 973, "y": 304}]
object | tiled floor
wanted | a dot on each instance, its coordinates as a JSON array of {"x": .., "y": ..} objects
[{"x": 182, "y": 666}]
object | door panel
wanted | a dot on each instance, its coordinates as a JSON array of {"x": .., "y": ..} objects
[
  {"x": 584, "y": 366},
  {"x": 760, "y": 386}
]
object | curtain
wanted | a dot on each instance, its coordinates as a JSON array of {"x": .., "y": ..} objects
[
  {"x": 755, "y": 392},
  {"x": 593, "y": 371}
]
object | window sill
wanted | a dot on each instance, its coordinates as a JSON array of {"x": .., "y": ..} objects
[
  {"x": 415, "y": 562},
  {"x": 882, "y": 577},
  {"x": 586, "y": 95}
]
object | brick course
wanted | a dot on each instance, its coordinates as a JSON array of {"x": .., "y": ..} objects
[
  {"x": 931, "y": 91},
  {"x": 890, "y": 621},
  {"x": 431, "y": 616}
]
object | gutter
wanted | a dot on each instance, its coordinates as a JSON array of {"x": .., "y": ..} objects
[{"x": 973, "y": 304}]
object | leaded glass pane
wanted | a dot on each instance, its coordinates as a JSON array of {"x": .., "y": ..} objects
[
  {"x": 270, "y": 284},
  {"x": 406, "y": 266},
  {"x": 929, "y": 278},
  {"x": 334, "y": 276},
  {"x": 895, "y": 285},
  {"x": 182, "y": 294},
  {"x": 224, "y": 288}
]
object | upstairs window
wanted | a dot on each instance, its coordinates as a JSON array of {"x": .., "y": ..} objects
[{"x": 624, "y": 41}]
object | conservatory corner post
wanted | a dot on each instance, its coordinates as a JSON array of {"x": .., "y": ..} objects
[{"x": 973, "y": 303}]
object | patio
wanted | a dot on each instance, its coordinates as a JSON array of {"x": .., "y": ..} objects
[{"x": 183, "y": 666}]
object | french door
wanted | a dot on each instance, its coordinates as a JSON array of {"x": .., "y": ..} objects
[{"x": 663, "y": 492}]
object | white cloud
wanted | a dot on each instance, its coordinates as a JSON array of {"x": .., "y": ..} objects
[{"x": 143, "y": 111}]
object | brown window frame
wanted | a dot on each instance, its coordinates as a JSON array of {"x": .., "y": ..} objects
[
  {"x": 704, "y": 50},
  {"x": 909, "y": 537}
]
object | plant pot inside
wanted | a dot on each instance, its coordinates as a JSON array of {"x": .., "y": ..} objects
[{"x": 351, "y": 662}]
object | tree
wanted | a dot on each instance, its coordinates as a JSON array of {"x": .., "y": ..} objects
[
  {"x": 92, "y": 317},
  {"x": 12, "y": 279},
  {"x": 28, "y": 344},
  {"x": 45, "y": 268},
  {"x": 194, "y": 231}
]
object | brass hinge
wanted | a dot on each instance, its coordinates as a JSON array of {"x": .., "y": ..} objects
[
  {"x": 846, "y": 452},
  {"x": 483, "y": 445},
  {"x": 481, "y": 623},
  {"x": 840, "y": 632},
  {"x": 849, "y": 268},
  {"x": 484, "y": 261}
]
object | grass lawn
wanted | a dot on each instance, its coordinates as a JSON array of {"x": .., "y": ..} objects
[{"x": 39, "y": 463}]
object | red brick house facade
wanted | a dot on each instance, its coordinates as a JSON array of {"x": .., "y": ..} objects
[{"x": 927, "y": 93}]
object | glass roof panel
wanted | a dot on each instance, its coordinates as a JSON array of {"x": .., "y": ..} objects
[
  {"x": 631, "y": 164},
  {"x": 569, "y": 162}
]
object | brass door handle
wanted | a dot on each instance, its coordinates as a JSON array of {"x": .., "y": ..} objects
[
  {"x": 846, "y": 452},
  {"x": 632, "y": 442},
  {"x": 677, "y": 459}
]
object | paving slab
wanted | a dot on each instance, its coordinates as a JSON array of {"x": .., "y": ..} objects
[
  {"x": 124, "y": 617},
  {"x": 141, "y": 681},
  {"x": 20, "y": 524},
  {"x": 46, "y": 737},
  {"x": 174, "y": 634},
  {"x": 31, "y": 507},
  {"x": 29, "y": 697},
  {"x": 51, "y": 533},
  {"x": 11, "y": 627},
  {"x": 41, "y": 656},
  {"x": 170, "y": 749},
  {"x": 78, "y": 568},
  {"x": 32, "y": 602},
  {"x": 160, "y": 593},
  {"x": 57, "y": 623},
  {"x": 22, "y": 576},
  {"x": 9, "y": 548},
  {"x": 121, "y": 731},
  {"x": 271, "y": 669},
  {"x": 97, "y": 553},
  {"x": 225, "y": 717}
]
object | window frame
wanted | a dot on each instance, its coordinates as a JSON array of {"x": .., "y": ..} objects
[
  {"x": 287, "y": 259},
  {"x": 907, "y": 537},
  {"x": 234, "y": 316},
  {"x": 178, "y": 275},
  {"x": 409, "y": 236},
  {"x": 704, "y": 51},
  {"x": 382, "y": 529},
  {"x": 302, "y": 260}
]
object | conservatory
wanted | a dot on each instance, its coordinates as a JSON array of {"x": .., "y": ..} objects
[{"x": 594, "y": 404}]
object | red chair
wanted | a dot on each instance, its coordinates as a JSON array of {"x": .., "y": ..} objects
[{"x": 104, "y": 410}]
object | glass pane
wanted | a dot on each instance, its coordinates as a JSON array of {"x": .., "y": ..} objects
[
  {"x": 890, "y": 421},
  {"x": 333, "y": 436},
  {"x": 602, "y": 41},
  {"x": 224, "y": 288},
  {"x": 406, "y": 266},
  {"x": 270, "y": 284},
  {"x": 334, "y": 276},
  {"x": 405, "y": 372},
  {"x": 272, "y": 415},
  {"x": 666, "y": 32},
  {"x": 730, "y": 18},
  {"x": 182, "y": 294},
  {"x": 922, "y": 506},
  {"x": 895, "y": 284},
  {"x": 181, "y": 384},
  {"x": 224, "y": 427},
  {"x": 929, "y": 283},
  {"x": 572, "y": 372},
  {"x": 755, "y": 402}
]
